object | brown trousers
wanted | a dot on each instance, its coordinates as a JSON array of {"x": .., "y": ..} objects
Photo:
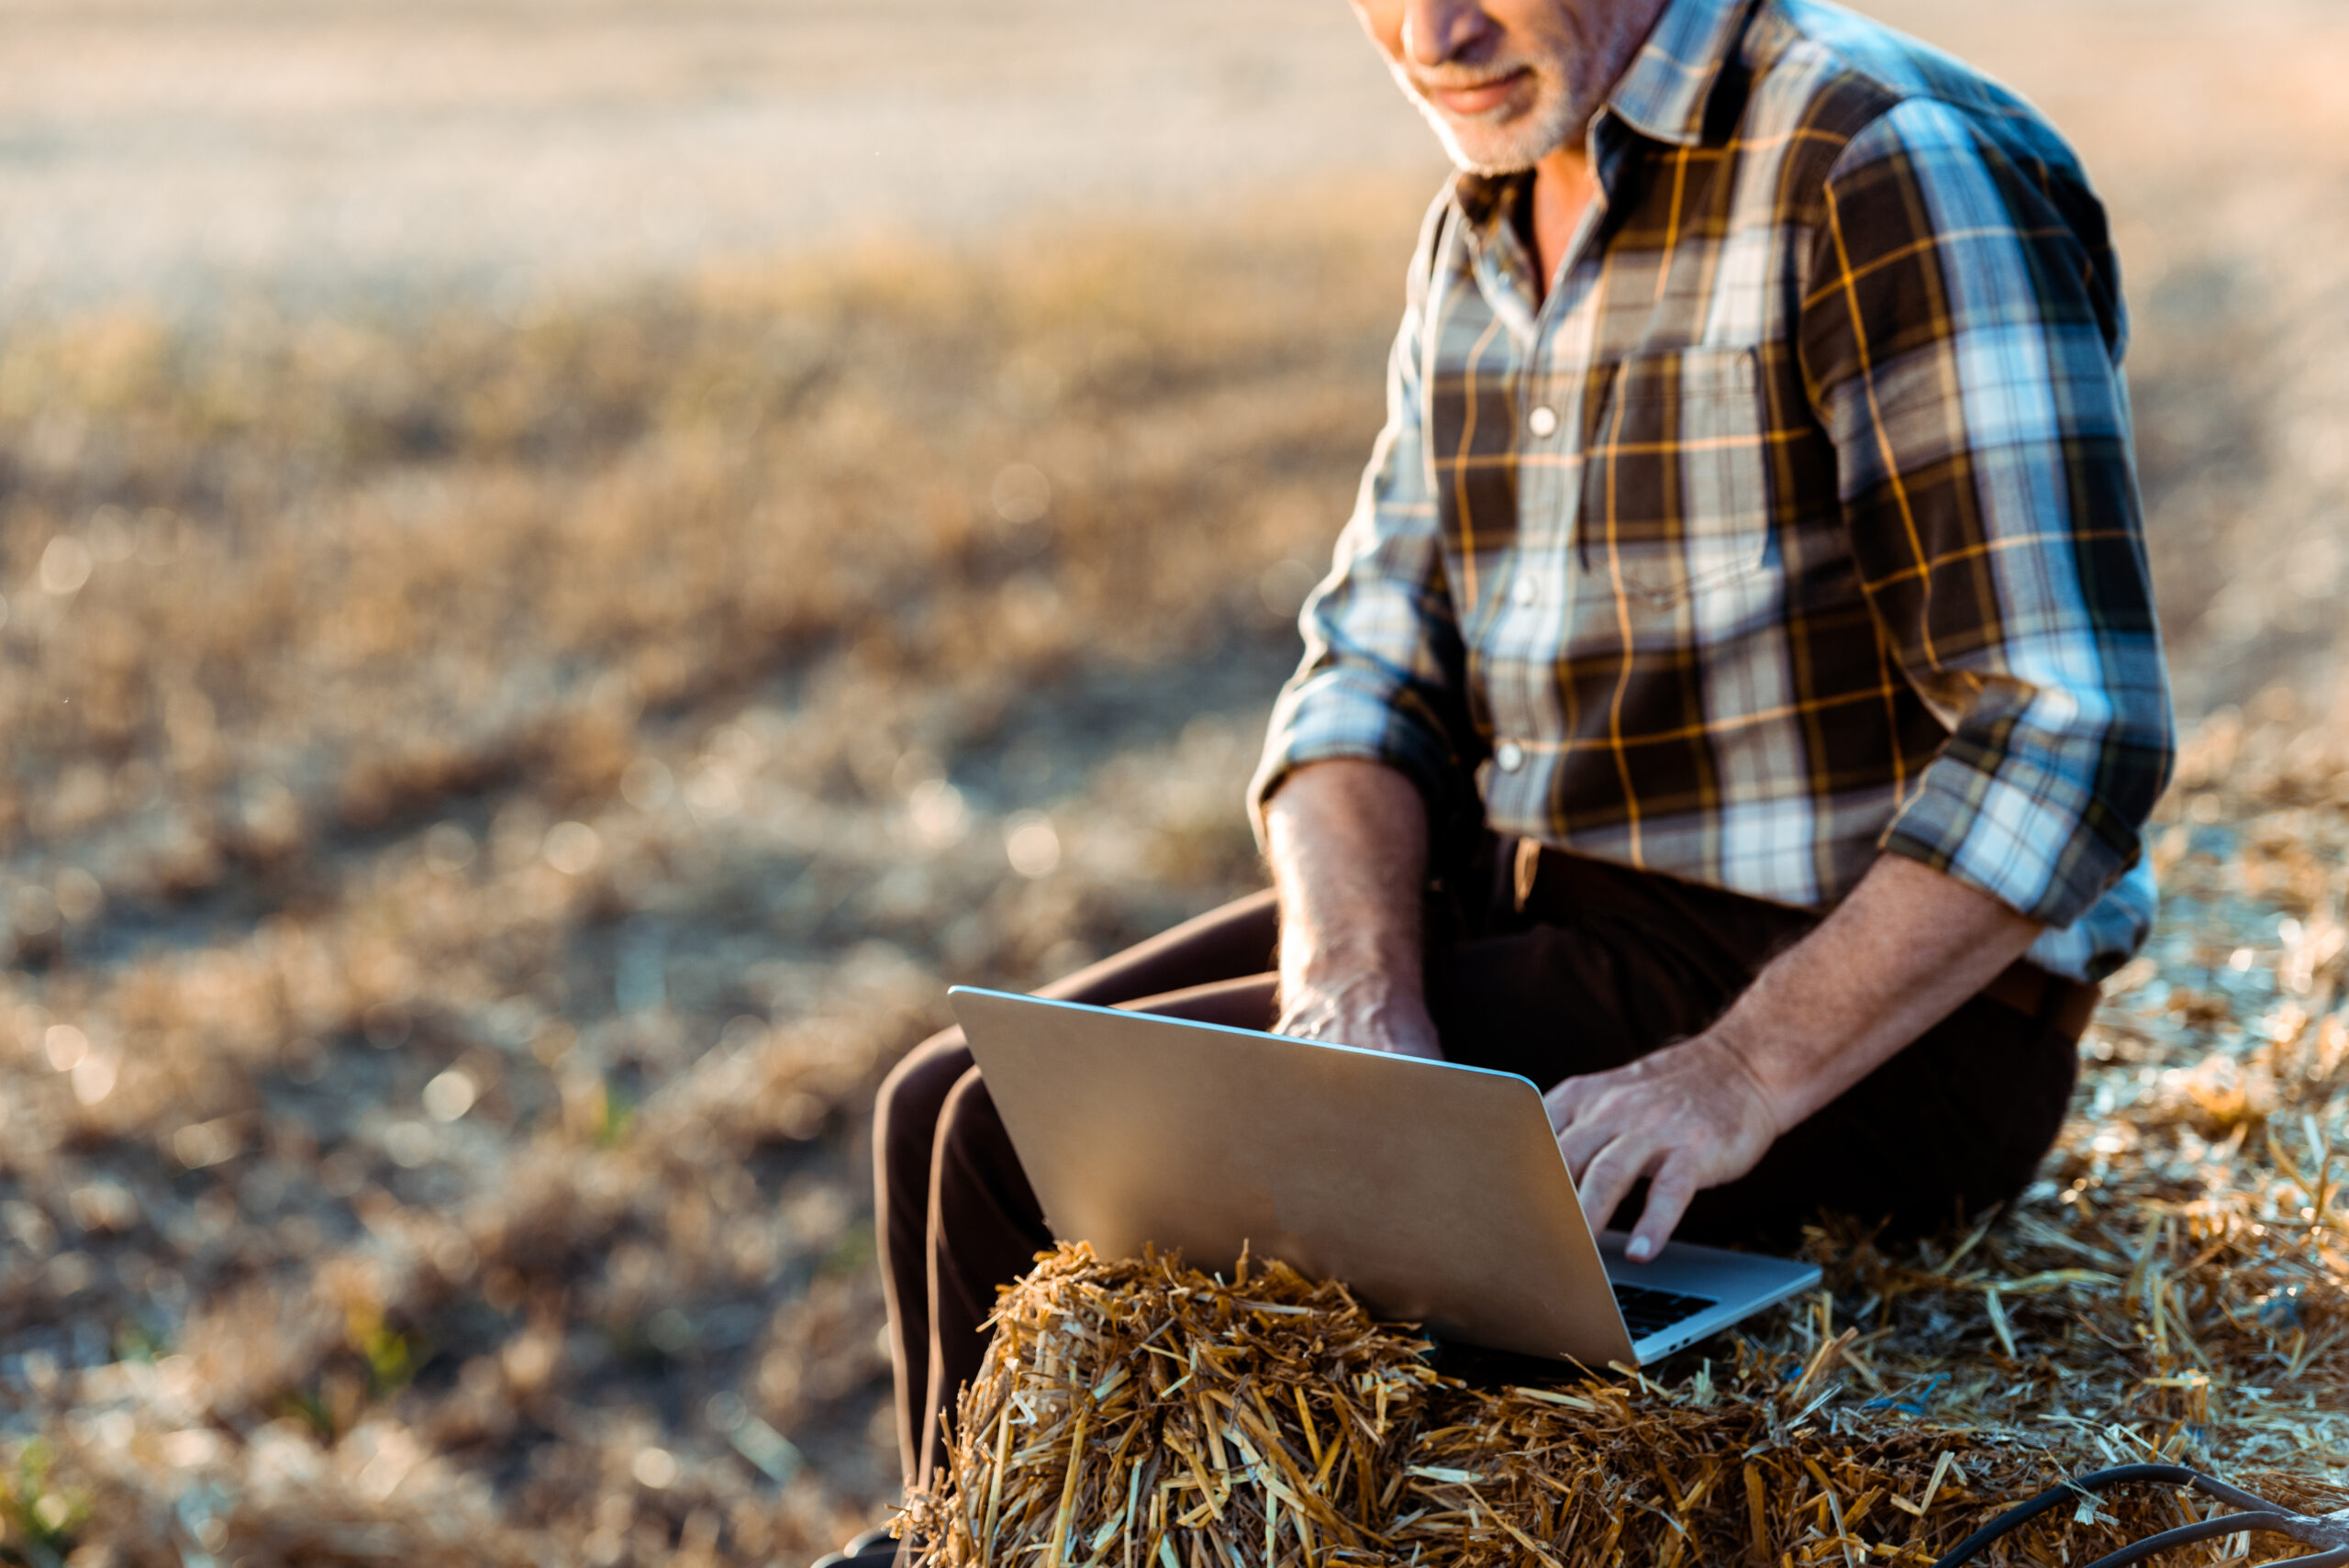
[{"x": 1590, "y": 967}]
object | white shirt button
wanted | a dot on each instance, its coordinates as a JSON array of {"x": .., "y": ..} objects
[
  {"x": 1528, "y": 592},
  {"x": 1510, "y": 756},
  {"x": 1543, "y": 421}
]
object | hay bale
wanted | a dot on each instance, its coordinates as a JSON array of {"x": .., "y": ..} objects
[{"x": 1142, "y": 1412}]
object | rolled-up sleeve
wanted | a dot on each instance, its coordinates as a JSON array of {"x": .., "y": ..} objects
[
  {"x": 1383, "y": 678},
  {"x": 1962, "y": 331}
]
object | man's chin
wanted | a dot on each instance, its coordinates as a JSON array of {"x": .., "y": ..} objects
[
  {"x": 1493, "y": 163},
  {"x": 1491, "y": 154},
  {"x": 1494, "y": 147}
]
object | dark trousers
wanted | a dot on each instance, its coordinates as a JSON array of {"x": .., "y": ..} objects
[{"x": 1589, "y": 967}]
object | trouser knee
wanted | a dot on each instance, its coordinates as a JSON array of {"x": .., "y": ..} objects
[
  {"x": 905, "y": 1111},
  {"x": 988, "y": 1222}
]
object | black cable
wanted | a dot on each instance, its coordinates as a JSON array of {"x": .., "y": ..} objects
[
  {"x": 2257, "y": 1515},
  {"x": 2186, "y": 1535},
  {"x": 2024, "y": 1513}
]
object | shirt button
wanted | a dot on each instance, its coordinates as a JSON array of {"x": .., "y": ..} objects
[
  {"x": 1510, "y": 756},
  {"x": 1528, "y": 592},
  {"x": 1543, "y": 421}
]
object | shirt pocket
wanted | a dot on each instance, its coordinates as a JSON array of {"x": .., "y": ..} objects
[{"x": 1675, "y": 481}]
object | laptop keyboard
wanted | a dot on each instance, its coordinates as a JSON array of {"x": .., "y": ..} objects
[{"x": 1649, "y": 1312}]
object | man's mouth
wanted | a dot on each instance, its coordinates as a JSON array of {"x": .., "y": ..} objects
[{"x": 1469, "y": 100}]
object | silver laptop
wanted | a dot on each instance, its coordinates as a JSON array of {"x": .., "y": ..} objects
[{"x": 1437, "y": 1192}]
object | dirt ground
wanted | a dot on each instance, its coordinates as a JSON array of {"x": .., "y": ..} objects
[
  {"x": 185, "y": 156},
  {"x": 562, "y": 567},
  {"x": 188, "y": 152}
]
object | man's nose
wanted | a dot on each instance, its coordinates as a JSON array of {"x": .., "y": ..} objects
[{"x": 1438, "y": 31}]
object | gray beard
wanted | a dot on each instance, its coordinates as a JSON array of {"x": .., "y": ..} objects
[{"x": 1550, "y": 123}]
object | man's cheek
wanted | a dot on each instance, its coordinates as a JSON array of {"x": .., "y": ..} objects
[{"x": 1382, "y": 20}]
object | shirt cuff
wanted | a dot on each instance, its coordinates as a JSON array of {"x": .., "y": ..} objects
[
  {"x": 1347, "y": 716},
  {"x": 2099, "y": 942},
  {"x": 2030, "y": 838}
]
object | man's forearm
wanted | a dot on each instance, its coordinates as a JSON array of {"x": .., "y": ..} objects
[
  {"x": 1895, "y": 958},
  {"x": 1348, "y": 842}
]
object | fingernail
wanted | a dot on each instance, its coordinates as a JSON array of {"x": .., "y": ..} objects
[{"x": 1641, "y": 1248}]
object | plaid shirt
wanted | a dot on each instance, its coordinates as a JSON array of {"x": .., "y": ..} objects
[{"x": 1797, "y": 526}]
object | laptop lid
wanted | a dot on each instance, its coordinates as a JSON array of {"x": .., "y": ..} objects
[{"x": 1436, "y": 1191}]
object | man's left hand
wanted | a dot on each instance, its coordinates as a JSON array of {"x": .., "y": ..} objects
[
  {"x": 1894, "y": 958},
  {"x": 1690, "y": 1117}
]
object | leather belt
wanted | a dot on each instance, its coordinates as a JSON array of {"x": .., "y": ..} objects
[{"x": 2068, "y": 1004}]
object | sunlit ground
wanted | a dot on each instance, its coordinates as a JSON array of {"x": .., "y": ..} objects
[{"x": 516, "y": 698}]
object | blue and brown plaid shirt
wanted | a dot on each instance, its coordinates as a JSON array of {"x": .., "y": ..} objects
[{"x": 1796, "y": 525}]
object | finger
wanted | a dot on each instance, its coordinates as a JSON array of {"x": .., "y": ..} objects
[
  {"x": 1573, "y": 1099},
  {"x": 1609, "y": 1177},
  {"x": 1669, "y": 1193},
  {"x": 1581, "y": 1140}
]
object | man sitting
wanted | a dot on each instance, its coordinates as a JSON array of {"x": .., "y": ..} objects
[{"x": 1736, "y": 699}]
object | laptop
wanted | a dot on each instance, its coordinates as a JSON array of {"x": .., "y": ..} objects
[{"x": 1436, "y": 1192}]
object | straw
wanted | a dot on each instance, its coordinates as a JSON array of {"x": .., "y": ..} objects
[{"x": 1143, "y": 1412}]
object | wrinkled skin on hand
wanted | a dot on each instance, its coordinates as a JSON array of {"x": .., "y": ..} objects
[{"x": 1690, "y": 1117}]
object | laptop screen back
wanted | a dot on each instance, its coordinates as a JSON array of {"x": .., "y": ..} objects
[{"x": 1435, "y": 1191}]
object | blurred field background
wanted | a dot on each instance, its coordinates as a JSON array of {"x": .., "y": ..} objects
[{"x": 565, "y": 567}]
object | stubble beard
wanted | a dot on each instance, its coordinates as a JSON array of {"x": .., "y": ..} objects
[{"x": 1512, "y": 144}]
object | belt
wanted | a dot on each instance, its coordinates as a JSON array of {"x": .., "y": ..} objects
[
  {"x": 1541, "y": 876},
  {"x": 2068, "y": 1004}
]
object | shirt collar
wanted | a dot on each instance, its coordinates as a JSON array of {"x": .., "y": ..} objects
[
  {"x": 1666, "y": 92},
  {"x": 1663, "y": 96}
]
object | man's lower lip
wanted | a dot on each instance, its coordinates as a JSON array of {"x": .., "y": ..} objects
[{"x": 1475, "y": 100}]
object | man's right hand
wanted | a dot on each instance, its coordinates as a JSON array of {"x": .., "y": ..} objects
[{"x": 1348, "y": 842}]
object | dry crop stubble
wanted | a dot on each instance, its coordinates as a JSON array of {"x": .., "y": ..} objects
[
  {"x": 484, "y": 803},
  {"x": 399, "y": 558}
]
